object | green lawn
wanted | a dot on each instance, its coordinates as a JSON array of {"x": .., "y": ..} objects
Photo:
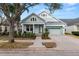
[
  {"x": 75, "y": 36},
  {"x": 72, "y": 35}
]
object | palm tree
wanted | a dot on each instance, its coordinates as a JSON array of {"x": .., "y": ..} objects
[{"x": 52, "y": 7}]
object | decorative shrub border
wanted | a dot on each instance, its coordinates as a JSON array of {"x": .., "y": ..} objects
[{"x": 28, "y": 35}]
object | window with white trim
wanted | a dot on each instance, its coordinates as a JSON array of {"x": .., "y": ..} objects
[{"x": 33, "y": 19}]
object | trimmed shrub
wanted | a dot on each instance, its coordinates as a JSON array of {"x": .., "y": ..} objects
[
  {"x": 5, "y": 33},
  {"x": 67, "y": 34},
  {"x": 29, "y": 35},
  {"x": 75, "y": 33},
  {"x": 24, "y": 34},
  {"x": 33, "y": 36},
  {"x": 45, "y": 35},
  {"x": 19, "y": 34},
  {"x": 49, "y": 44}
]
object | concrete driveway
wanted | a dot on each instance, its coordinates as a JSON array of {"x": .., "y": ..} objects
[{"x": 65, "y": 42}]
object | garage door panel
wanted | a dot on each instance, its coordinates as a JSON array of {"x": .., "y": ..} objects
[{"x": 55, "y": 31}]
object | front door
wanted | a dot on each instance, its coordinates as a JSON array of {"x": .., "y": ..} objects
[{"x": 38, "y": 29}]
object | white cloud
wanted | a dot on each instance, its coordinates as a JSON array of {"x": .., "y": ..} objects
[
  {"x": 70, "y": 9},
  {"x": 71, "y": 4}
]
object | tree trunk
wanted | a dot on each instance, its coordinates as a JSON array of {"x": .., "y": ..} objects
[
  {"x": 17, "y": 26},
  {"x": 11, "y": 33}
]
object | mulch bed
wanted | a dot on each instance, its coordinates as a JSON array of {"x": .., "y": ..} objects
[{"x": 7, "y": 45}]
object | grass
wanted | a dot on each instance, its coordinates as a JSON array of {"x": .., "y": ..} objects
[
  {"x": 7, "y": 45},
  {"x": 72, "y": 35},
  {"x": 67, "y": 34},
  {"x": 75, "y": 36},
  {"x": 24, "y": 39},
  {"x": 49, "y": 44},
  {"x": 45, "y": 38},
  {"x": 4, "y": 37}
]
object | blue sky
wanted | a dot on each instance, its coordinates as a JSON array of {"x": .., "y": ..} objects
[{"x": 68, "y": 11}]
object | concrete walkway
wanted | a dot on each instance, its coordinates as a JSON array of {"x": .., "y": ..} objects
[{"x": 37, "y": 42}]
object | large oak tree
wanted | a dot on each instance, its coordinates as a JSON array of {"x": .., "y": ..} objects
[{"x": 13, "y": 11}]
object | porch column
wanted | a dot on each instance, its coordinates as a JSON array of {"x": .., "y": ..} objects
[
  {"x": 39, "y": 28},
  {"x": 29, "y": 27},
  {"x": 22, "y": 28},
  {"x": 44, "y": 28},
  {"x": 33, "y": 28}
]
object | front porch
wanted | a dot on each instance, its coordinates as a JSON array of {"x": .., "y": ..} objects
[{"x": 35, "y": 28}]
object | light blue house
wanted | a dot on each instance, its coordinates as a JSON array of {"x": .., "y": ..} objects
[{"x": 37, "y": 24}]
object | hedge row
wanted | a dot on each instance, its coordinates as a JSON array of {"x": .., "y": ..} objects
[
  {"x": 75, "y": 33},
  {"x": 25, "y": 35}
]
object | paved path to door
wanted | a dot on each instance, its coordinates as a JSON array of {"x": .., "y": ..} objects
[{"x": 37, "y": 42}]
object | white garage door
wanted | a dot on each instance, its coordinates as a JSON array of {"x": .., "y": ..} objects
[{"x": 55, "y": 31}]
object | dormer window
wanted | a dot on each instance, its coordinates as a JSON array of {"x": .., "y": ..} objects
[
  {"x": 44, "y": 15},
  {"x": 33, "y": 19}
]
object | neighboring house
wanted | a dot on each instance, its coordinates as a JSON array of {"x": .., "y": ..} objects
[
  {"x": 74, "y": 27},
  {"x": 37, "y": 24},
  {"x": 4, "y": 25}
]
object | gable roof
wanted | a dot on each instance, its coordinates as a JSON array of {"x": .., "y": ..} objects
[
  {"x": 50, "y": 18},
  {"x": 30, "y": 16}
]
